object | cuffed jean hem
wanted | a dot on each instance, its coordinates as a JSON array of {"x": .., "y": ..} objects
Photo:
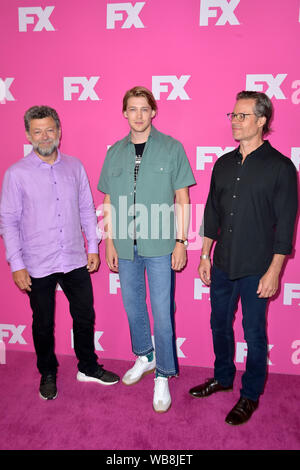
[
  {"x": 143, "y": 353},
  {"x": 166, "y": 373}
]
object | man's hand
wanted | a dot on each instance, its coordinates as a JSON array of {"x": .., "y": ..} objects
[
  {"x": 204, "y": 271},
  {"x": 268, "y": 284},
  {"x": 179, "y": 257},
  {"x": 93, "y": 262},
  {"x": 111, "y": 256},
  {"x": 22, "y": 279}
]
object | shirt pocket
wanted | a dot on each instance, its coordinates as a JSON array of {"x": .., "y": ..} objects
[
  {"x": 163, "y": 169},
  {"x": 116, "y": 172}
]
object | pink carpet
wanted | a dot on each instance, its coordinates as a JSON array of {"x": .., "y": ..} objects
[{"x": 92, "y": 417}]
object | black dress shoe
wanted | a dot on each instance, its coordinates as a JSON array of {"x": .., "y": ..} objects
[
  {"x": 208, "y": 388},
  {"x": 241, "y": 412}
]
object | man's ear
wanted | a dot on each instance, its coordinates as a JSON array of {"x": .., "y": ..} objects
[
  {"x": 28, "y": 136},
  {"x": 261, "y": 121}
]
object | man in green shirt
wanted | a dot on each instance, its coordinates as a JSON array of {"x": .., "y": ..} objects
[{"x": 141, "y": 177}]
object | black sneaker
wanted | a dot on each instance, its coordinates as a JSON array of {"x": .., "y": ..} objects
[
  {"x": 102, "y": 376},
  {"x": 48, "y": 390}
]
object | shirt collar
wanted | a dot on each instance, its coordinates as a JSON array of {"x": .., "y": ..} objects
[
  {"x": 153, "y": 134},
  {"x": 262, "y": 148},
  {"x": 36, "y": 161}
]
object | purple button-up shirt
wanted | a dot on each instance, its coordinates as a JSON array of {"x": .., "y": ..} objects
[{"x": 43, "y": 211}]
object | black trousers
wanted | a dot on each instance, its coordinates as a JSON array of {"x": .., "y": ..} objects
[{"x": 77, "y": 287}]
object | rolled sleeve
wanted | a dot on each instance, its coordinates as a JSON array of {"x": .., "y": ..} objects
[
  {"x": 285, "y": 207},
  {"x": 183, "y": 176},
  {"x": 103, "y": 184}
]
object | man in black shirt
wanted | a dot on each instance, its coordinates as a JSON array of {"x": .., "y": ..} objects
[{"x": 250, "y": 212}]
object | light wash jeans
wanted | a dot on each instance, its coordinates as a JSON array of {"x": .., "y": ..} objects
[{"x": 161, "y": 286}]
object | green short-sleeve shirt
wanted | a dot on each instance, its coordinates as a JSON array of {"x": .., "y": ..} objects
[{"x": 163, "y": 170}]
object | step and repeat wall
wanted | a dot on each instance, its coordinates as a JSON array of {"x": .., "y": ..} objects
[{"x": 80, "y": 57}]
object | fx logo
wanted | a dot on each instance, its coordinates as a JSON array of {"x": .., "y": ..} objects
[
  {"x": 97, "y": 336},
  {"x": 114, "y": 283},
  {"x": 254, "y": 83},
  {"x": 5, "y": 93},
  {"x": 179, "y": 343},
  {"x": 2, "y": 353},
  {"x": 291, "y": 291},
  {"x": 204, "y": 155},
  {"x": 208, "y": 10},
  {"x": 15, "y": 333},
  {"x": 26, "y": 16},
  {"x": 132, "y": 11},
  {"x": 159, "y": 86},
  {"x": 200, "y": 289},
  {"x": 27, "y": 149},
  {"x": 71, "y": 86},
  {"x": 241, "y": 352},
  {"x": 295, "y": 157}
]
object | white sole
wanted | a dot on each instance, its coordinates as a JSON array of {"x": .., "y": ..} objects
[
  {"x": 81, "y": 377},
  {"x": 162, "y": 411},
  {"x": 47, "y": 399},
  {"x": 140, "y": 378}
]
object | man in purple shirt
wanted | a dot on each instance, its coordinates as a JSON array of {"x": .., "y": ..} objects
[{"x": 45, "y": 204}]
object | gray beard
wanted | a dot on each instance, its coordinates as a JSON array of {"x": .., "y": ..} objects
[{"x": 46, "y": 152}]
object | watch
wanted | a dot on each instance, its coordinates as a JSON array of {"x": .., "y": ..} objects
[
  {"x": 205, "y": 257},
  {"x": 184, "y": 242}
]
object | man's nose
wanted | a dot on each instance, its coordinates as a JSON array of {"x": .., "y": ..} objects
[{"x": 45, "y": 135}]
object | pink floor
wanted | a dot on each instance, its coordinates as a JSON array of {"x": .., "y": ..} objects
[{"x": 92, "y": 417}]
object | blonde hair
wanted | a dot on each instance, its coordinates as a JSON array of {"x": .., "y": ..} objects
[{"x": 140, "y": 91}]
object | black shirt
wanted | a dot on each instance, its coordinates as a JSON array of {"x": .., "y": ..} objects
[
  {"x": 139, "y": 149},
  {"x": 251, "y": 210}
]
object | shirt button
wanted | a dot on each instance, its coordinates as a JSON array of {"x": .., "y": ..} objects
[
  {"x": 234, "y": 196},
  {"x": 231, "y": 213},
  {"x": 230, "y": 230},
  {"x": 238, "y": 179}
]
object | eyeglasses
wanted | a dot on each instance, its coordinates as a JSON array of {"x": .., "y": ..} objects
[{"x": 239, "y": 116}]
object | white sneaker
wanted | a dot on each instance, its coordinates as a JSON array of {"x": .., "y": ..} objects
[
  {"x": 162, "y": 397},
  {"x": 141, "y": 367}
]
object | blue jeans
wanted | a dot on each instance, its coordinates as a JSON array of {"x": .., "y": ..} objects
[
  {"x": 224, "y": 298},
  {"x": 161, "y": 286}
]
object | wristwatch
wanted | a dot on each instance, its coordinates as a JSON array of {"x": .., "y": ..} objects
[
  {"x": 184, "y": 242},
  {"x": 205, "y": 257}
]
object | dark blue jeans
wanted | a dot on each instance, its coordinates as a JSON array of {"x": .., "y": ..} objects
[{"x": 225, "y": 294}]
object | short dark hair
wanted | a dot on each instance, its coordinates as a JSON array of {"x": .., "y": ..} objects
[
  {"x": 140, "y": 91},
  {"x": 40, "y": 112},
  {"x": 263, "y": 106}
]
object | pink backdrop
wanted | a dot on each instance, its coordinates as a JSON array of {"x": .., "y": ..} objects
[{"x": 80, "y": 57}]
